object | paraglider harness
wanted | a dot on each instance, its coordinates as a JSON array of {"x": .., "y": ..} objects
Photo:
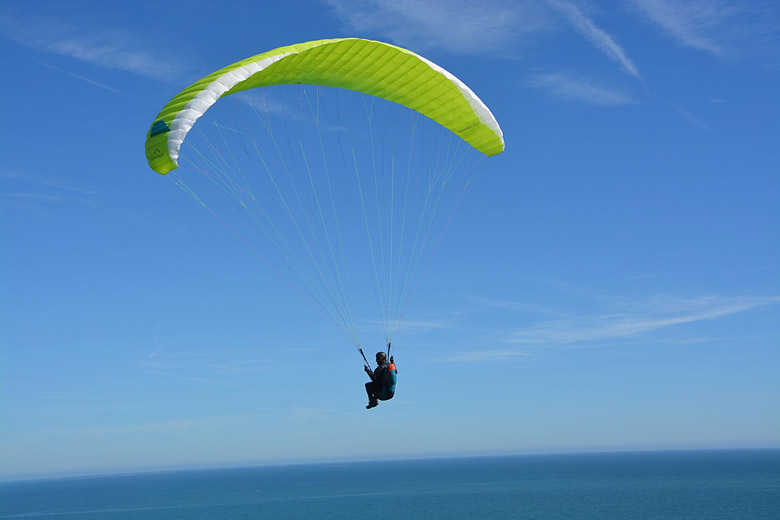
[{"x": 388, "y": 376}]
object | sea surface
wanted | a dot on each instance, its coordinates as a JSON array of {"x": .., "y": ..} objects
[{"x": 742, "y": 485}]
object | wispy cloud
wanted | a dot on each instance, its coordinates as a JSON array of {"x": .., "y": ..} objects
[
  {"x": 594, "y": 34},
  {"x": 59, "y": 31},
  {"x": 46, "y": 181},
  {"x": 512, "y": 305},
  {"x": 691, "y": 118},
  {"x": 655, "y": 314},
  {"x": 34, "y": 193},
  {"x": 689, "y": 23},
  {"x": 318, "y": 415},
  {"x": 715, "y": 26},
  {"x": 82, "y": 78},
  {"x": 165, "y": 426},
  {"x": 210, "y": 367},
  {"x": 570, "y": 88},
  {"x": 461, "y": 26},
  {"x": 622, "y": 321},
  {"x": 485, "y": 355}
]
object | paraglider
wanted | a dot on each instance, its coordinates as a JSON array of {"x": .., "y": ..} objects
[
  {"x": 383, "y": 380},
  {"x": 341, "y": 189}
]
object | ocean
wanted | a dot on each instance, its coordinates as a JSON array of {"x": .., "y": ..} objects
[{"x": 743, "y": 484}]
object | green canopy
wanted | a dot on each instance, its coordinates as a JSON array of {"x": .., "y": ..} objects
[{"x": 371, "y": 67}]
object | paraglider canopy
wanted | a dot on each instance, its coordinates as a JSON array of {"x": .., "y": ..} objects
[{"x": 367, "y": 66}]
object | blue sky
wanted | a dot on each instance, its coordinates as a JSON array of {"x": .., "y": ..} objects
[{"x": 609, "y": 282}]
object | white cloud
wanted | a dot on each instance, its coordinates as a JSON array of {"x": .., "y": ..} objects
[
  {"x": 312, "y": 414},
  {"x": 46, "y": 181},
  {"x": 534, "y": 308},
  {"x": 85, "y": 40},
  {"x": 715, "y": 26},
  {"x": 214, "y": 368},
  {"x": 484, "y": 355},
  {"x": 692, "y": 24},
  {"x": 163, "y": 426},
  {"x": 633, "y": 321},
  {"x": 599, "y": 38},
  {"x": 691, "y": 118},
  {"x": 82, "y": 78},
  {"x": 571, "y": 88},
  {"x": 33, "y": 193},
  {"x": 461, "y": 26}
]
